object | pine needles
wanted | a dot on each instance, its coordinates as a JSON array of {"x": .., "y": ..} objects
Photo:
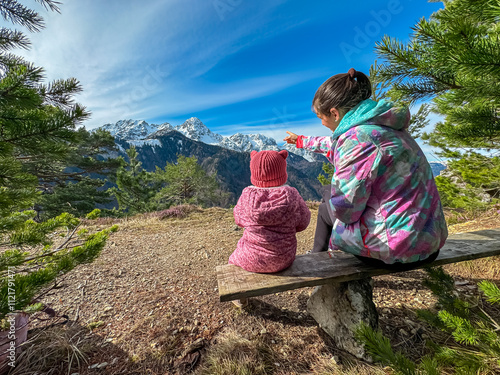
[
  {"x": 476, "y": 346},
  {"x": 31, "y": 257}
]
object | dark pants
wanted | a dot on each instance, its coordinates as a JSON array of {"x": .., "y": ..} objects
[
  {"x": 377, "y": 263},
  {"x": 324, "y": 226},
  {"x": 324, "y": 223}
]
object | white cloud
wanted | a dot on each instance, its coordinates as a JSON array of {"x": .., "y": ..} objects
[
  {"x": 145, "y": 60},
  {"x": 139, "y": 60}
]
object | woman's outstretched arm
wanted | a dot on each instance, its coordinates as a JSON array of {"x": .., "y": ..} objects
[{"x": 320, "y": 145}]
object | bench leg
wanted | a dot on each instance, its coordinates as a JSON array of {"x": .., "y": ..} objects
[{"x": 339, "y": 307}]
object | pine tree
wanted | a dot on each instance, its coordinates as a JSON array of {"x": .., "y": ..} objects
[
  {"x": 135, "y": 186},
  {"x": 187, "y": 182},
  {"x": 73, "y": 198},
  {"x": 182, "y": 182},
  {"x": 37, "y": 132},
  {"x": 38, "y": 121},
  {"x": 452, "y": 59},
  {"x": 76, "y": 184}
]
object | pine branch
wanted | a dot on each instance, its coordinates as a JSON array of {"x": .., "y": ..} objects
[
  {"x": 379, "y": 347},
  {"x": 20, "y": 76},
  {"x": 58, "y": 249},
  {"x": 62, "y": 175},
  {"x": 50, "y": 5},
  {"x": 491, "y": 291},
  {"x": 430, "y": 366},
  {"x": 12, "y": 39},
  {"x": 14, "y": 12},
  {"x": 60, "y": 92}
]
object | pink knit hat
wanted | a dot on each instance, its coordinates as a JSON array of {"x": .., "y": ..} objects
[{"x": 268, "y": 168}]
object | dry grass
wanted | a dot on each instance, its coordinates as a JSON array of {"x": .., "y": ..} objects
[
  {"x": 485, "y": 268},
  {"x": 154, "y": 221},
  {"x": 479, "y": 269},
  {"x": 329, "y": 367},
  {"x": 460, "y": 216},
  {"x": 53, "y": 351},
  {"x": 236, "y": 355},
  {"x": 312, "y": 205}
]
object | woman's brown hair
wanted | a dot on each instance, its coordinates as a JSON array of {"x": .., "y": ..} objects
[{"x": 342, "y": 91}]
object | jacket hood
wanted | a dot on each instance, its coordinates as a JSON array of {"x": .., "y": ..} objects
[
  {"x": 370, "y": 112},
  {"x": 269, "y": 206}
]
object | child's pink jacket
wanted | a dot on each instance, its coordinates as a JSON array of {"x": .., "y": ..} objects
[{"x": 271, "y": 217}]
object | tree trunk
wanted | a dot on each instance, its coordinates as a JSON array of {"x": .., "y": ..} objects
[{"x": 339, "y": 308}]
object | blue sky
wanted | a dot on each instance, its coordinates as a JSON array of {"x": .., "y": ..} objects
[{"x": 238, "y": 65}]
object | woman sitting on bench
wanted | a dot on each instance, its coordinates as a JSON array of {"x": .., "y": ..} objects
[{"x": 383, "y": 205}]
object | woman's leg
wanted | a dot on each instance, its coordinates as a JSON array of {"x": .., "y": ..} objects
[
  {"x": 324, "y": 223},
  {"x": 323, "y": 232}
]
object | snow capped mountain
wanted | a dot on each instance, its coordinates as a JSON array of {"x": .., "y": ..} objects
[
  {"x": 194, "y": 129},
  {"x": 134, "y": 130},
  {"x": 248, "y": 142},
  {"x": 306, "y": 154}
]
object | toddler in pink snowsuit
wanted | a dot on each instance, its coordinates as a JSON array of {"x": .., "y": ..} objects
[{"x": 271, "y": 213}]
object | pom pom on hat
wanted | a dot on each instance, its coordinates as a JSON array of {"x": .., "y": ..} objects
[{"x": 268, "y": 168}]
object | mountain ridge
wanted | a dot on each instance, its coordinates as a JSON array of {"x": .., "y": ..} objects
[
  {"x": 193, "y": 128},
  {"x": 229, "y": 156},
  {"x": 232, "y": 167}
]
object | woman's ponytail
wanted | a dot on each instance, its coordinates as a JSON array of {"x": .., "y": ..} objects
[
  {"x": 342, "y": 91},
  {"x": 364, "y": 84}
]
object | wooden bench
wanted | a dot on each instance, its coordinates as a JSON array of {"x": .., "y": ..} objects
[{"x": 343, "y": 294}]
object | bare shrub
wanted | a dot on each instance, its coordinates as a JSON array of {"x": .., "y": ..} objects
[{"x": 177, "y": 212}]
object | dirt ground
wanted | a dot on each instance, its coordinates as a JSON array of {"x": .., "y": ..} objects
[{"x": 149, "y": 304}]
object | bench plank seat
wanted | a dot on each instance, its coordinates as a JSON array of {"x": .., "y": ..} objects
[{"x": 335, "y": 267}]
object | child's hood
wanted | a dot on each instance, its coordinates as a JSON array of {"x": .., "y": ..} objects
[
  {"x": 269, "y": 206},
  {"x": 370, "y": 112}
]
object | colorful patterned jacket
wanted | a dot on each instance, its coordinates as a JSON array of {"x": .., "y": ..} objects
[
  {"x": 271, "y": 217},
  {"x": 384, "y": 199}
]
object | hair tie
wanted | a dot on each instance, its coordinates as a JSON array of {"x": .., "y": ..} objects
[{"x": 351, "y": 72}]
